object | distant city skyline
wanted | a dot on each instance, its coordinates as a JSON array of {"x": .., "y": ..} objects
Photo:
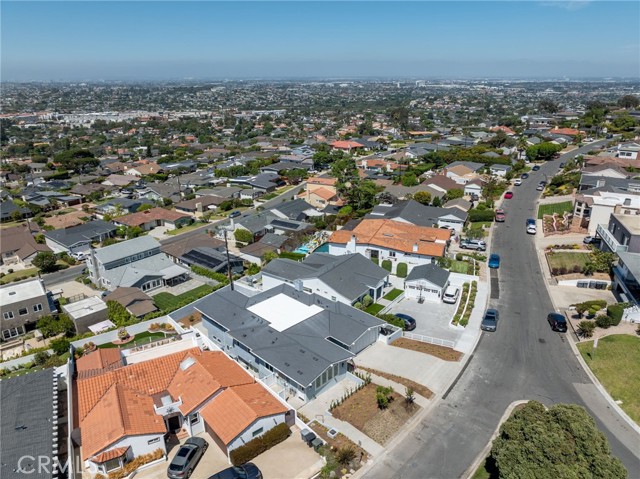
[{"x": 134, "y": 41}]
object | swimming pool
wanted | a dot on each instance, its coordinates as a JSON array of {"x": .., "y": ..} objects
[{"x": 309, "y": 247}]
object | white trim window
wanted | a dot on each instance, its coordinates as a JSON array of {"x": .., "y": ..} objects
[
  {"x": 37, "y": 308},
  {"x": 8, "y": 315}
]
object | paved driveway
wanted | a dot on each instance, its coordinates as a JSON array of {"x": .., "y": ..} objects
[{"x": 432, "y": 319}]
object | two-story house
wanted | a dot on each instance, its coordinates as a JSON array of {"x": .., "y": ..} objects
[
  {"x": 79, "y": 238},
  {"x": 137, "y": 263},
  {"x": 21, "y": 305}
]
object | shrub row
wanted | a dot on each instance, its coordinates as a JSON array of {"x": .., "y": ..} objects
[
  {"x": 386, "y": 264},
  {"x": 481, "y": 215},
  {"x": 260, "y": 444},
  {"x": 462, "y": 303},
  {"x": 472, "y": 300},
  {"x": 219, "y": 277},
  {"x": 401, "y": 270},
  {"x": 615, "y": 312}
]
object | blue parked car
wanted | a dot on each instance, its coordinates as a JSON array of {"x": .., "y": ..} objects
[{"x": 494, "y": 261}]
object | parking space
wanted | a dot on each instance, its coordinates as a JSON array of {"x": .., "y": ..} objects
[
  {"x": 291, "y": 459},
  {"x": 432, "y": 319},
  {"x": 214, "y": 460}
]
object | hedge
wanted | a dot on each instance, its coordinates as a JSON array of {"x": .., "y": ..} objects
[
  {"x": 260, "y": 444},
  {"x": 481, "y": 215},
  {"x": 615, "y": 312},
  {"x": 392, "y": 319},
  {"x": 386, "y": 264},
  {"x": 219, "y": 277},
  {"x": 401, "y": 270}
]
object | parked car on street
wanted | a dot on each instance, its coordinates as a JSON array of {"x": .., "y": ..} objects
[
  {"x": 451, "y": 294},
  {"x": 557, "y": 322},
  {"x": 234, "y": 214},
  {"x": 517, "y": 182},
  {"x": 500, "y": 215},
  {"x": 540, "y": 188},
  {"x": 490, "y": 320},
  {"x": 508, "y": 195},
  {"x": 561, "y": 165},
  {"x": 478, "y": 245},
  {"x": 535, "y": 168},
  {"x": 494, "y": 261},
  {"x": 80, "y": 256},
  {"x": 524, "y": 176},
  {"x": 187, "y": 458},
  {"x": 591, "y": 240},
  {"x": 245, "y": 471},
  {"x": 531, "y": 226},
  {"x": 409, "y": 322}
]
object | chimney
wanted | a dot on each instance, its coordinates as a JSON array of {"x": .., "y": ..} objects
[
  {"x": 415, "y": 247},
  {"x": 199, "y": 207}
]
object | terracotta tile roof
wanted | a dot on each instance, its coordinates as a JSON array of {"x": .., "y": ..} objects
[
  {"x": 114, "y": 403},
  {"x": 98, "y": 361},
  {"x": 565, "y": 131},
  {"x": 110, "y": 454},
  {"x": 154, "y": 214},
  {"x": 346, "y": 145},
  {"x": 236, "y": 408},
  {"x": 322, "y": 181},
  {"x": 504, "y": 129},
  {"x": 121, "y": 412},
  {"x": 323, "y": 193},
  {"x": 397, "y": 236}
]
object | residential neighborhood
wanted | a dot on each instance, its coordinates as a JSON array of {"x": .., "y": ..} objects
[{"x": 305, "y": 291}]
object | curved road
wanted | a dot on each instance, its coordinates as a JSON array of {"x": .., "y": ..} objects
[{"x": 524, "y": 359}]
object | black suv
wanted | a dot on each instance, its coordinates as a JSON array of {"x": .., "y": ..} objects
[
  {"x": 557, "y": 322},
  {"x": 490, "y": 320}
]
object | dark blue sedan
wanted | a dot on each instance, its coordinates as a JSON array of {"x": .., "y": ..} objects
[{"x": 494, "y": 261}]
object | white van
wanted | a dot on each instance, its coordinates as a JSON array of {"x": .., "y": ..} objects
[{"x": 451, "y": 295}]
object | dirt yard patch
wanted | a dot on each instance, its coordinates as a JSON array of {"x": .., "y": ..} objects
[
  {"x": 339, "y": 442},
  {"x": 447, "y": 354},
  {"x": 417, "y": 387},
  {"x": 361, "y": 410}
]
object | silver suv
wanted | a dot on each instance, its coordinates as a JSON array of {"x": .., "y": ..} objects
[{"x": 478, "y": 245}]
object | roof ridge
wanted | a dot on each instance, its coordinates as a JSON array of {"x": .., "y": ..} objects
[{"x": 98, "y": 399}]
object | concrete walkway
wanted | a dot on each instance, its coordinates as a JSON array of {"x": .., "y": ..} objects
[{"x": 469, "y": 338}]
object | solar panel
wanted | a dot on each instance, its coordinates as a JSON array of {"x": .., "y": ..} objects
[
  {"x": 285, "y": 224},
  {"x": 202, "y": 259}
]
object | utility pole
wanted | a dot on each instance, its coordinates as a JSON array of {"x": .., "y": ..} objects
[{"x": 226, "y": 247}]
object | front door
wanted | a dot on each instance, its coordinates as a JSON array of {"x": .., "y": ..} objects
[{"x": 174, "y": 423}]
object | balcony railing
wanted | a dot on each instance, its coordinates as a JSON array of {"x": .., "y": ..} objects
[{"x": 610, "y": 240}]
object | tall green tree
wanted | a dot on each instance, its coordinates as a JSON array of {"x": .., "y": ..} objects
[{"x": 45, "y": 261}]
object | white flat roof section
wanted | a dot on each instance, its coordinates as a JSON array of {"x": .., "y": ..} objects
[
  {"x": 21, "y": 292},
  {"x": 282, "y": 311},
  {"x": 85, "y": 307}
]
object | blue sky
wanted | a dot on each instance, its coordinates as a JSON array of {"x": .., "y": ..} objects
[{"x": 173, "y": 40}]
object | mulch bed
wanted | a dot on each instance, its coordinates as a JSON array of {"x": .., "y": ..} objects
[
  {"x": 446, "y": 354},
  {"x": 339, "y": 442},
  {"x": 417, "y": 387},
  {"x": 361, "y": 410}
]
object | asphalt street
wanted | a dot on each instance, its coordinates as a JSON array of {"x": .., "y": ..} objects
[{"x": 524, "y": 359}]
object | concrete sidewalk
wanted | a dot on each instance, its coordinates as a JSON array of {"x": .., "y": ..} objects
[{"x": 467, "y": 342}]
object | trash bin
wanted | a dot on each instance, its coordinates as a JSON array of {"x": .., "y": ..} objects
[
  {"x": 307, "y": 436},
  {"x": 316, "y": 443}
]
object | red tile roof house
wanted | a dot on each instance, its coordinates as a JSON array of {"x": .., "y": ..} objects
[
  {"x": 346, "y": 145},
  {"x": 149, "y": 219},
  {"x": 124, "y": 411}
]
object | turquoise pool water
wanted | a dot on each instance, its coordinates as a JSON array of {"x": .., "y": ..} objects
[{"x": 304, "y": 249}]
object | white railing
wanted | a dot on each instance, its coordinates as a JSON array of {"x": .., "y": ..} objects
[
  {"x": 610, "y": 240},
  {"x": 428, "y": 339}
]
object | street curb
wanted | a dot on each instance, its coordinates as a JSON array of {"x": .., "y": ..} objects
[
  {"x": 585, "y": 367},
  {"x": 485, "y": 452},
  {"x": 602, "y": 389}
]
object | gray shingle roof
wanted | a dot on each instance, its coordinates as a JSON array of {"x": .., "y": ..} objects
[
  {"x": 431, "y": 272},
  {"x": 126, "y": 248},
  {"x": 81, "y": 233},
  {"x": 302, "y": 351},
  {"x": 416, "y": 213},
  {"x": 26, "y": 426}
]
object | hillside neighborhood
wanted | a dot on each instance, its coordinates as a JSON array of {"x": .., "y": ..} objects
[{"x": 301, "y": 286}]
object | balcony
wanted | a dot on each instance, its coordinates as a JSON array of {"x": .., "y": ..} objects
[{"x": 611, "y": 242}]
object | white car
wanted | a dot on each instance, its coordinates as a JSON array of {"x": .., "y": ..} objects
[
  {"x": 80, "y": 256},
  {"x": 451, "y": 294},
  {"x": 517, "y": 182}
]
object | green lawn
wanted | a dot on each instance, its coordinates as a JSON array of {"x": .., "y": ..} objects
[
  {"x": 23, "y": 273},
  {"x": 139, "y": 339},
  {"x": 616, "y": 363},
  {"x": 184, "y": 229},
  {"x": 461, "y": 267},
  {"x": 486, "y": 471},
  {"x": 559, "y": 208},
  {"x": 568, "y": 260},
  {"x": 374, "y": 309},
  {"x": 393, "y": 294},
  {"x": 170, "y": 302}
]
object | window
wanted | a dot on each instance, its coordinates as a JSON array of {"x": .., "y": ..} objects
[
  {"x": 23, "y": 311},
  {"x": 112, "y": 464},
  {"x": 154, "y": 440},
  {"x": 195, "y": 419},
  {"x": 257, "y": 432},
  {"x": 37, "y": 307},
  {"x": 8, "y": 315},
  {"x": 392, "y": 254}
]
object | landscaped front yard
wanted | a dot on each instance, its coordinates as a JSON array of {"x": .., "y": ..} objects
[
  {"x": 567, "y": 262},
  {"x": 560, "y": 208},
  {"x": 138, "y": 340},
  {"x": 170, "y": 302},
  {"x": 447, "y": 354},
  {"x": 616, "y": 364},
  {"x": 362, "y": 411},
  {"x": 462, "y": 267},
  {"x": 393, "y": 294}
]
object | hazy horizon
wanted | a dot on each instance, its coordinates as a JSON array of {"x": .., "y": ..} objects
[{"x": 211, "y": 41}]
